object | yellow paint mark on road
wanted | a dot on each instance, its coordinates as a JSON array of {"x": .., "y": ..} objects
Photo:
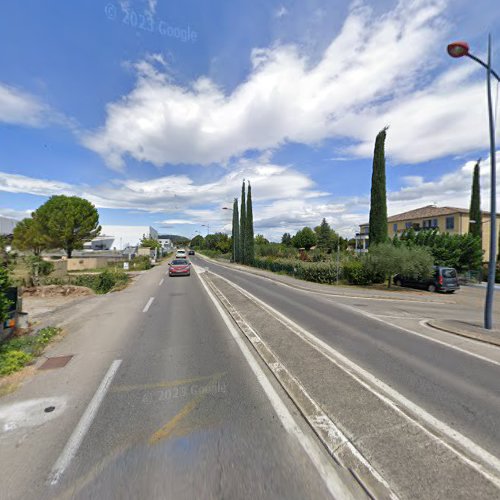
[
  {"x": 166, "y": 384},
  {"x": 168, "y": 429}
]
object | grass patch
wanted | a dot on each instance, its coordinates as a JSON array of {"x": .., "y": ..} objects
[{"x": 18, "y": 352}]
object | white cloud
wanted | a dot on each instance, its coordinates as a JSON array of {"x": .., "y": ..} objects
[
  {"x": 14, "y": 183},
  {"x": 20, "y": 108},
  {"x": 281, "y": 12},
  {"x": 372, "y": 68},
  {"x": 15, "y": 214},
  {"x": 176, "y": 221}
]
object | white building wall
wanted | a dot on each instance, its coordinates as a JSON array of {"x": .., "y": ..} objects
[
  {"x": 7, "y": 225},
  {"x": 124, "y": 236}
]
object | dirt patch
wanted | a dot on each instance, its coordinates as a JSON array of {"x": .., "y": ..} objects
[{"x": 57, "y": 291}]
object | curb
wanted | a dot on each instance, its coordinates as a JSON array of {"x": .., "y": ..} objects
[
  {"x": 340, "y": 448},
  {"x": 462, "y": 333}
]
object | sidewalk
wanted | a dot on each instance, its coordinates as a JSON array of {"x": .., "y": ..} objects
[{"x": 465, "y": 329}]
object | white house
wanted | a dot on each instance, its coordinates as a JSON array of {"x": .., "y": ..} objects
[
  {"x": 7, "y": 225},
  {"x": 120, "y": 237}
]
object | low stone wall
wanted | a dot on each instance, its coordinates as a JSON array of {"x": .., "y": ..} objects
[{"x": 83, "y": 263}]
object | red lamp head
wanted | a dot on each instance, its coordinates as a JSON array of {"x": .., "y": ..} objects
[{"x": 458, "y": 49}]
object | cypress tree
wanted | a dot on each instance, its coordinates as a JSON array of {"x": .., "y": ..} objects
[
  {"x": 236, "y": 232},
  {"x": 249, "y": 241},
  {"x": 378, "y": 203},
  {"x": 475, "y": 204},
  {"x": 243, "y": 220}
]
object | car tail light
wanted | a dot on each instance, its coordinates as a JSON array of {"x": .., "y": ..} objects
[{"x": 440, "y": 280}]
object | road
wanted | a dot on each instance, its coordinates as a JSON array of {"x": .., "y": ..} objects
[
  {"x": 165, "y": 398},
  {"x": 183, "y": 414},
  {"x": 453, "y": 386}
]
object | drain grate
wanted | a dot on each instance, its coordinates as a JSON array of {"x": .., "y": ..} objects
[{"x": 56, "y": 362}]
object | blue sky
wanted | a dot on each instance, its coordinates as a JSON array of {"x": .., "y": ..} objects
[{"x": 107, "y": 101}]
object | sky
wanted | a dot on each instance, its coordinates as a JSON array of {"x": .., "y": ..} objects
[{"x": 156, "y": 111}]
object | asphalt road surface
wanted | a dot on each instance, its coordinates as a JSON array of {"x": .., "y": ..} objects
[
  {"x": 179, "y": 412},
  {"x": 457, "y": 388}
]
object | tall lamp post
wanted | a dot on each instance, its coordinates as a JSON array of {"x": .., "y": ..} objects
[
  {"x": 461, "y": 49},
  {"x": 208, "y": 228}
]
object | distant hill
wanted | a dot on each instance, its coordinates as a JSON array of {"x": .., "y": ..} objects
[{"x": 176, "y": 239}]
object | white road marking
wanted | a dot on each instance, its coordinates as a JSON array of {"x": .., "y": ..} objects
[
  {"x": 83, "y": 425},
  {"x": 329, "y": 294},
  {"x": 329, "y": 475},
  {"x": 148, "y": 305},
  {"x": 161, "y": 282},
  {"x": 395, "y": 399},
  {"x": 380, "y": 319}
]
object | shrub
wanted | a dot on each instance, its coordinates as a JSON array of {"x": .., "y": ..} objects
[
  {"x": 355, "y": 272},
  {"x": 103, "y": 282},
  {"x": 141, "y": 263},
  {"x": 12, "y": 361}
]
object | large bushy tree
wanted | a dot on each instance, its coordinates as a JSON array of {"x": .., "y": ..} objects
[
  {"x": 68, "y": 221},
  {"x": 286, "y": 239},
  {"x": 243, "y": 225},
  {"x": 475, "y": 228},
  {"x": 29, "y": 236},
  {"x": 249, "y": 238},
  {"x": 324, "y": 233},
  {"x": 220, "y": 242},
  {"x": 378, "y": 200},
  {"x": 386, "y": 260},
  {"x": 464, "y": 252},
  {"x": 305, "y": 238},
  {"x": 197, "y": 242}
]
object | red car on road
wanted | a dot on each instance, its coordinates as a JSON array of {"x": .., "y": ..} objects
[{"x": 179, "y": 267}]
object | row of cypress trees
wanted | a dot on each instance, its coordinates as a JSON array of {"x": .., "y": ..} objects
[{"x": 243, "y": 237}]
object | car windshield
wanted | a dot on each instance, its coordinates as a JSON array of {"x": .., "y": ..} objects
[{"x": 180, "y": 262}]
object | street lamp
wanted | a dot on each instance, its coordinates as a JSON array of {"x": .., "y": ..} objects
[
  {"x": 461, "y": 49},
  {"x": 208, "y": 228}
]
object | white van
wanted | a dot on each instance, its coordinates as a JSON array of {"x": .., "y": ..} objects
[{"x": 181, "y": 254}]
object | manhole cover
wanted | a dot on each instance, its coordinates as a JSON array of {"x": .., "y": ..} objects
[{"x": 56, "y": 362}]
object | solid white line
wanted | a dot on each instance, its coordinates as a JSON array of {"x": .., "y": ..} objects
[
  {"x": 161, "y": 282},
  {"x": 83, "y": 425},
  {"x": 148, "y": 305},
  {"x": 329, "y": 475},
  {"x": 369, "y": 381},
  {"x": 381, "y": 320},
  {"x": 326, "y": 294}
]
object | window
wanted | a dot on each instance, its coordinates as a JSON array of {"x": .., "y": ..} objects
[
  {"x": 395, "y": 227},
  {"x": 427, "y": 223},
  {"x": 434, "y": 223},
  {"x": 408, "y": 225},
  {"x": 450, "y": 222},
  {"x": 449, "y": 273}
]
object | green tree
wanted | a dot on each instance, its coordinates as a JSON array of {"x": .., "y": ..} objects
[
  {"x": 243, "y": 225},
  {"x": 150, "y": 243},
  {"x": 29, "y": 236},
  {"x": 378, "y": 201},
  {"x": 197, "y": 242},
  {"x": 236, "y": 230},
  {"x": 305, "y": 238},
  {"x": 387, "y": 260},
  {"x": 324, "y": 234},
  {"x": 249, "y": 238},
  {"x": 475, "y": 228},
  {"x": 219, "y": 242},
  {"x": 260, "y": 240},
  {"x": 286, "y": 239},
  {"x": 68, "y": 221},
  {"x": 5, "y": 303}
]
